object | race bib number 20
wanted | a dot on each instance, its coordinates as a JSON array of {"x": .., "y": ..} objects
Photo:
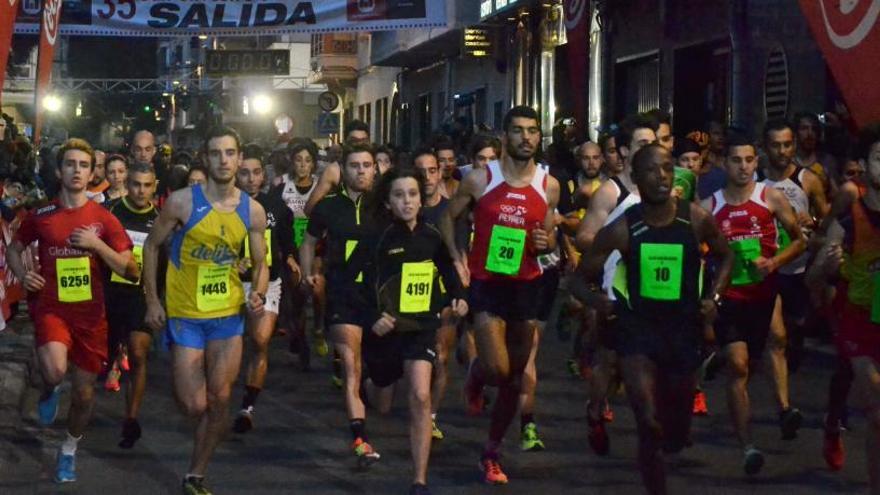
[{"x": 506, "y": 247}]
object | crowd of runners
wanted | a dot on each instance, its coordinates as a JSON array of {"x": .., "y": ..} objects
[{"x": 675, "y": 258}]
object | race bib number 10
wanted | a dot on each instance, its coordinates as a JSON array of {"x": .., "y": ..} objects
[
  {"x": 213, "y": 288},
  {"x": 74, "y": 279},
  {"x": 661, "y": 266},
  {"x": 299, "y": 230},
  {"x": 506, "y": 247},
  {"x": 416, "y": 284}
]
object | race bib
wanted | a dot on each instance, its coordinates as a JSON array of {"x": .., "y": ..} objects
[
  {"x": 137, "y": 252},
  {"x": 744, "y": 271},
  {"x": 506, "y": 247},
  {"x": 349, "y": 248},
  {"x": 661, "y": 266},
  {"x": 416, "y": 284},
  {"x": 875, "y": 300},
  {"x": 299, "y": 230},
  {"x": 247, "y": 247},
  {"x": 213, "y": 287},
  {"x": 74, "y": 279},
  {"x": 783, "y": 239}
]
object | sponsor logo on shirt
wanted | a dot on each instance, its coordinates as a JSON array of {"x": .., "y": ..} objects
[
  {"x": 220, "y": 255},
  {"x": 513, "y": 195}
]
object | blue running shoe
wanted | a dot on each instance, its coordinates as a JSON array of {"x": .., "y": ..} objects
[
  {"x": 65, "y": 472},
  {"x": 48, "y": 407}
]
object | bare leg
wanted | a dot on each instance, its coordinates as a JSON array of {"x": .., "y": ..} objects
[
  {"x": 52, "y": 357},
  {"x": 445, "y": 344},
  {"x": 776, "y": 352},
  {"x": 737, "y": 390},
  {"x": 260, "y": 330},
  {"x": 640, "y": 376},
  {"x": 138, "y": 348},
  {"x": 82, "y": 401},
  {"x": 530, "y": 379},
  {"x": 347, "y": 341},
  {"x": 419, "y": 375}
]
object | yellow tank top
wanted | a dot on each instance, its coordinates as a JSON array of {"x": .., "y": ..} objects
[{"x": 202, "y": 280}]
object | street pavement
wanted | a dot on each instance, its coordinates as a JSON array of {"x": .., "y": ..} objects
[{"x": 300, "y": 443}]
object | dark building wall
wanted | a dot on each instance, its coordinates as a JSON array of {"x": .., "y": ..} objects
[{"x": 687, "y": 32}]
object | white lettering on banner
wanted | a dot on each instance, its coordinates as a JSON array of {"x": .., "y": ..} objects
[
  {"x": 239, "y": 18},
  {"x": 864, "y": 26},
  {"x": 50, "y": 18}
]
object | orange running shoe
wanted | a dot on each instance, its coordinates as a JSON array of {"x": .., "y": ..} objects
[
  {"x": 364, "y": 453},
  {"x": 832, "y": 450},
  {"x": 700, "y": 406},
  {"x": 492, "y": 473}
]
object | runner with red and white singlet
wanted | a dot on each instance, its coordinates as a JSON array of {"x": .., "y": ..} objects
[
  {"x": 77, "y": 240},
  {"x": 503, "y": 217},
  {"x": 513, "y": 202},
  {"x": 747, "y": 213}
]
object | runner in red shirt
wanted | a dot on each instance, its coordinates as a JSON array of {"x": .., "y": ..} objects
[
  {"x": 513, "y": 202},
  {"x": 747, "y": 214},
  {"x": 77, "y": 239}
]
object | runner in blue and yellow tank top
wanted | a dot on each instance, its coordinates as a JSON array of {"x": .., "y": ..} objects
[{"x": 207, "y": 226}]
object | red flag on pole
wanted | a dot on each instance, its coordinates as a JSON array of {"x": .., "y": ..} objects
[
  {"x": 8, "y": 10},
  {"x": 848, "y": 32},
  {"x": 577, "y": 26},
  {"x": 48, "y": 38}
]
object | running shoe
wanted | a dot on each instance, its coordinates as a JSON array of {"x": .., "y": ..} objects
[
  {"x": 473, "y": 394},
  {"x": 753, "y": 461},
  {"x": 111, "y": 384},
  {"x": 419, "y": 489},
  {"x": 47, "y": 408},
  {"x": 832, "y": 448},
  {"x": 321, "y": 347},
  {"x": 790, "y": 422},
  {"x": 598, "y": 437},
  {"x": 65, "y": 470},
  {"x": 131, "y": 433},
  {"x": 607, "y": 412},
  {"x": 123, "y": 359},
  {"x": 529, "y": 440},
  {"x": 244, "y": 421},
  {"x": 436, "y": 432},
  {"x": 700, "y": 406},
  {"x": 193, "y": 485},
  {"x": 574, "y": 368},
  {"x": 364, "y": 453},
  {"x": 492, "y": 473}
]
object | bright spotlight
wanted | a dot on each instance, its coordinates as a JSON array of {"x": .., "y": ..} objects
[
  {"x": 52, "y": 103},
  {"x": 262, "y": 104}
]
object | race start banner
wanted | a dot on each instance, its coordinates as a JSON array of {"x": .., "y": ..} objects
[
  {"x": 234, "y": 17},
  {"x": 848, "y": 32},
  {"x": 8, "y": 9}
]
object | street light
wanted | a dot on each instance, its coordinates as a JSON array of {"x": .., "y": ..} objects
[
  {"x": 52, "y": 103},
  {"x": 262, "y": 104}
]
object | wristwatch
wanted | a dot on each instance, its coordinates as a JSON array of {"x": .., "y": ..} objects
[
  {"x": 717, "y": 299},
  {"x": 261, "y": 296}
]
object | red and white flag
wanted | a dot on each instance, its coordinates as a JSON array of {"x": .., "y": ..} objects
[
  {"x": 848, "y": 32},
  {"x": 577, "y": 26},
  {"x": 8, "y": 10},
  {"x": 51, "y": 19}
]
